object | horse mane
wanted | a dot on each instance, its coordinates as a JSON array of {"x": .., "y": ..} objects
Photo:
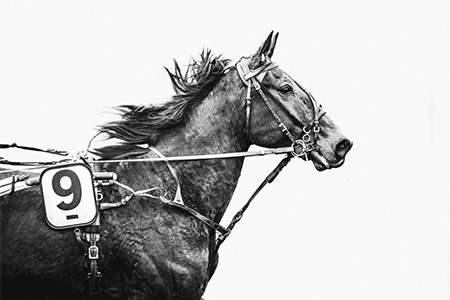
[{"x": 146, "y": 124}]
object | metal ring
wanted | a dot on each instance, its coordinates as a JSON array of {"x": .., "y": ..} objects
[
  {"x": 306, "y": 130},
  {"x": 295, "y": 145},
  {"x": 306, "y": 138}
]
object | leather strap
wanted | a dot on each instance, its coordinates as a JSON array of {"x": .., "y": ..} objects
[
  {"x": 247, "y": 76},
  {"x": 13, "y": 184},
  {"x": 178, "y": 200},
  {"x": 216, "y": 226},
  {"x": 178, "y": 197},
  {"x": 52, "y": 151},
  {"x": 238, "y": 216}
]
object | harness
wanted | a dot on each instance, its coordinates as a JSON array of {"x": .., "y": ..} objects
[{"x": 300, "y": 147}]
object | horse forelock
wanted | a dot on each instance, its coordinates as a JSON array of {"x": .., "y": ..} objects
[{"x": 146, "y": 124}]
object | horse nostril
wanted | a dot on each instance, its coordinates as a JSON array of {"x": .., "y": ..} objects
[{"x": 343, "y": 147}]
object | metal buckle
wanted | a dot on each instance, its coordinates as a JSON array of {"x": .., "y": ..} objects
[
  {"x": 93, "y": 252},
  {"x": 256, "y": 85},
  {"x": 316, "y": 127}
]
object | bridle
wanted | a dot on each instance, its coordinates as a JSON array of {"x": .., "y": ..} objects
[{"x": 252, "y": 78}]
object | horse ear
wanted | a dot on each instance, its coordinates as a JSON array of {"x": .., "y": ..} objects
[
  {"x": 265, "y": 50},
  {"x": 272, "y": 45}
]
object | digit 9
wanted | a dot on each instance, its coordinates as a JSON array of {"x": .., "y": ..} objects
[{"x": 74, "y": 189}]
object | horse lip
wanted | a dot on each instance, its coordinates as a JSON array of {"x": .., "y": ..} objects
[
  {"x": 320, "y": 162},
  {"x": 337, "y": 164}
]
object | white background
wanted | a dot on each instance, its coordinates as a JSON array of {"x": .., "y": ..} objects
[{"x": 377, "y": 228}]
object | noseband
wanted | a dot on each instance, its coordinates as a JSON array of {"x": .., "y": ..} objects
[{"x": 253, "y": 78}]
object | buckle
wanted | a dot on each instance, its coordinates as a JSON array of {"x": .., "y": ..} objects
[
  {"x": 256, "y": 85},
  {"x": 316, "y": 127},
  {"x": 93, "y": 252}
]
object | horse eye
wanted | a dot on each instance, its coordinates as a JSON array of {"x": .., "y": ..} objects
[{"x": 285, "y": 89}]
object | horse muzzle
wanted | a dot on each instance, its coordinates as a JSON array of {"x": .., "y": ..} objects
[{"x": 321, "y": 162}]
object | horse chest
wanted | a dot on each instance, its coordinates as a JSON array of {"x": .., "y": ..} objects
[{"x": 167, "y": 258}]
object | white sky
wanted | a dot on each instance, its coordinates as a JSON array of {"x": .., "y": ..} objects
[{"x": 377, "y": 228}]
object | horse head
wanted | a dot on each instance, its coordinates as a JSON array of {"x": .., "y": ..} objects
[{"x": 280, "y": 112}]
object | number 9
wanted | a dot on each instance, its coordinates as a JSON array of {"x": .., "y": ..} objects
[{"x": 74, "y": 189}]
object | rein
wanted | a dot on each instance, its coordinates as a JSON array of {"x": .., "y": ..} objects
[
  {"x": 16, "y": 183},
  {"x": 32, "y": 164}
]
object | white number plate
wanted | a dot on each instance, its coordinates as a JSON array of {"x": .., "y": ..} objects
[{"x": 69, "y": 196}]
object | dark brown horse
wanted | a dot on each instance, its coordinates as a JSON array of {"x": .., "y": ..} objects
[{"x": 148, "y": 249}]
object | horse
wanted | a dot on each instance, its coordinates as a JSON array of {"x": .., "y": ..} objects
[{"x": 150, "y": 249}]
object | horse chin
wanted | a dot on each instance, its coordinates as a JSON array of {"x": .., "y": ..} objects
[
  {"x": 337, "y": 164},
  {"x": 321, "y": 163}
]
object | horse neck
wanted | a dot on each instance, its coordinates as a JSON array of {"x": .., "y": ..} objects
[{"x": 215, "y": 125}]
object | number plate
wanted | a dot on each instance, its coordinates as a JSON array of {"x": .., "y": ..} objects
[{"x": 69, "y": 196}]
